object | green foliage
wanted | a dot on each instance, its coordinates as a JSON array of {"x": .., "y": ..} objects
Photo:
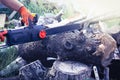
[
  {"x": 113, "y": 22},
  {"x": 40, "y": 7}
]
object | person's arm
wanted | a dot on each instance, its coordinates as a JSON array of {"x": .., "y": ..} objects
[
  {"x": 13, "y": 4},
  {"x": 16, "y": 5}
]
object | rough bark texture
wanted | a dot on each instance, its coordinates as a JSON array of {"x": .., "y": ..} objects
[{"x": 67, "y": 46}]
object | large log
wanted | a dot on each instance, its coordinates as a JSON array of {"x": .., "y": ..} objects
[{"x": 86, "y": 47}]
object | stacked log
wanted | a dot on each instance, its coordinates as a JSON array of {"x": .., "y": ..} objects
[{"x": 67, "y": 70}]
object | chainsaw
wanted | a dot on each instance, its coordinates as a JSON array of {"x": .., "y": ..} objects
[{"x": 33, "y": 32}]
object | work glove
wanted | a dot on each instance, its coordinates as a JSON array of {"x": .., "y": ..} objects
[
  {"x": 26, "y": 15},
  {"x": 2, "y": 35}
]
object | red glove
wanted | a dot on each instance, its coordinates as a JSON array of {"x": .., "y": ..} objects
[
  {"x": 2, "y": 35},
  {"x": 25, "y": 14}
]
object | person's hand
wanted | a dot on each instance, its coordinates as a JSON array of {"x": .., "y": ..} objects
[
  {"x": 26, "y": 15},
  {"x": 2, "y": 35}
]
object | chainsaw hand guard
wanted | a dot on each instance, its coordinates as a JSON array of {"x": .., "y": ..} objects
[{"x": 2, "y": 35}]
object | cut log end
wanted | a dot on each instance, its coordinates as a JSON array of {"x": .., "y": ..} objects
[{"x": 70, "y": 70}]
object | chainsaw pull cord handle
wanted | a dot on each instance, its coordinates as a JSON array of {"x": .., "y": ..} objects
[{"x": 3, "y": 35}]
